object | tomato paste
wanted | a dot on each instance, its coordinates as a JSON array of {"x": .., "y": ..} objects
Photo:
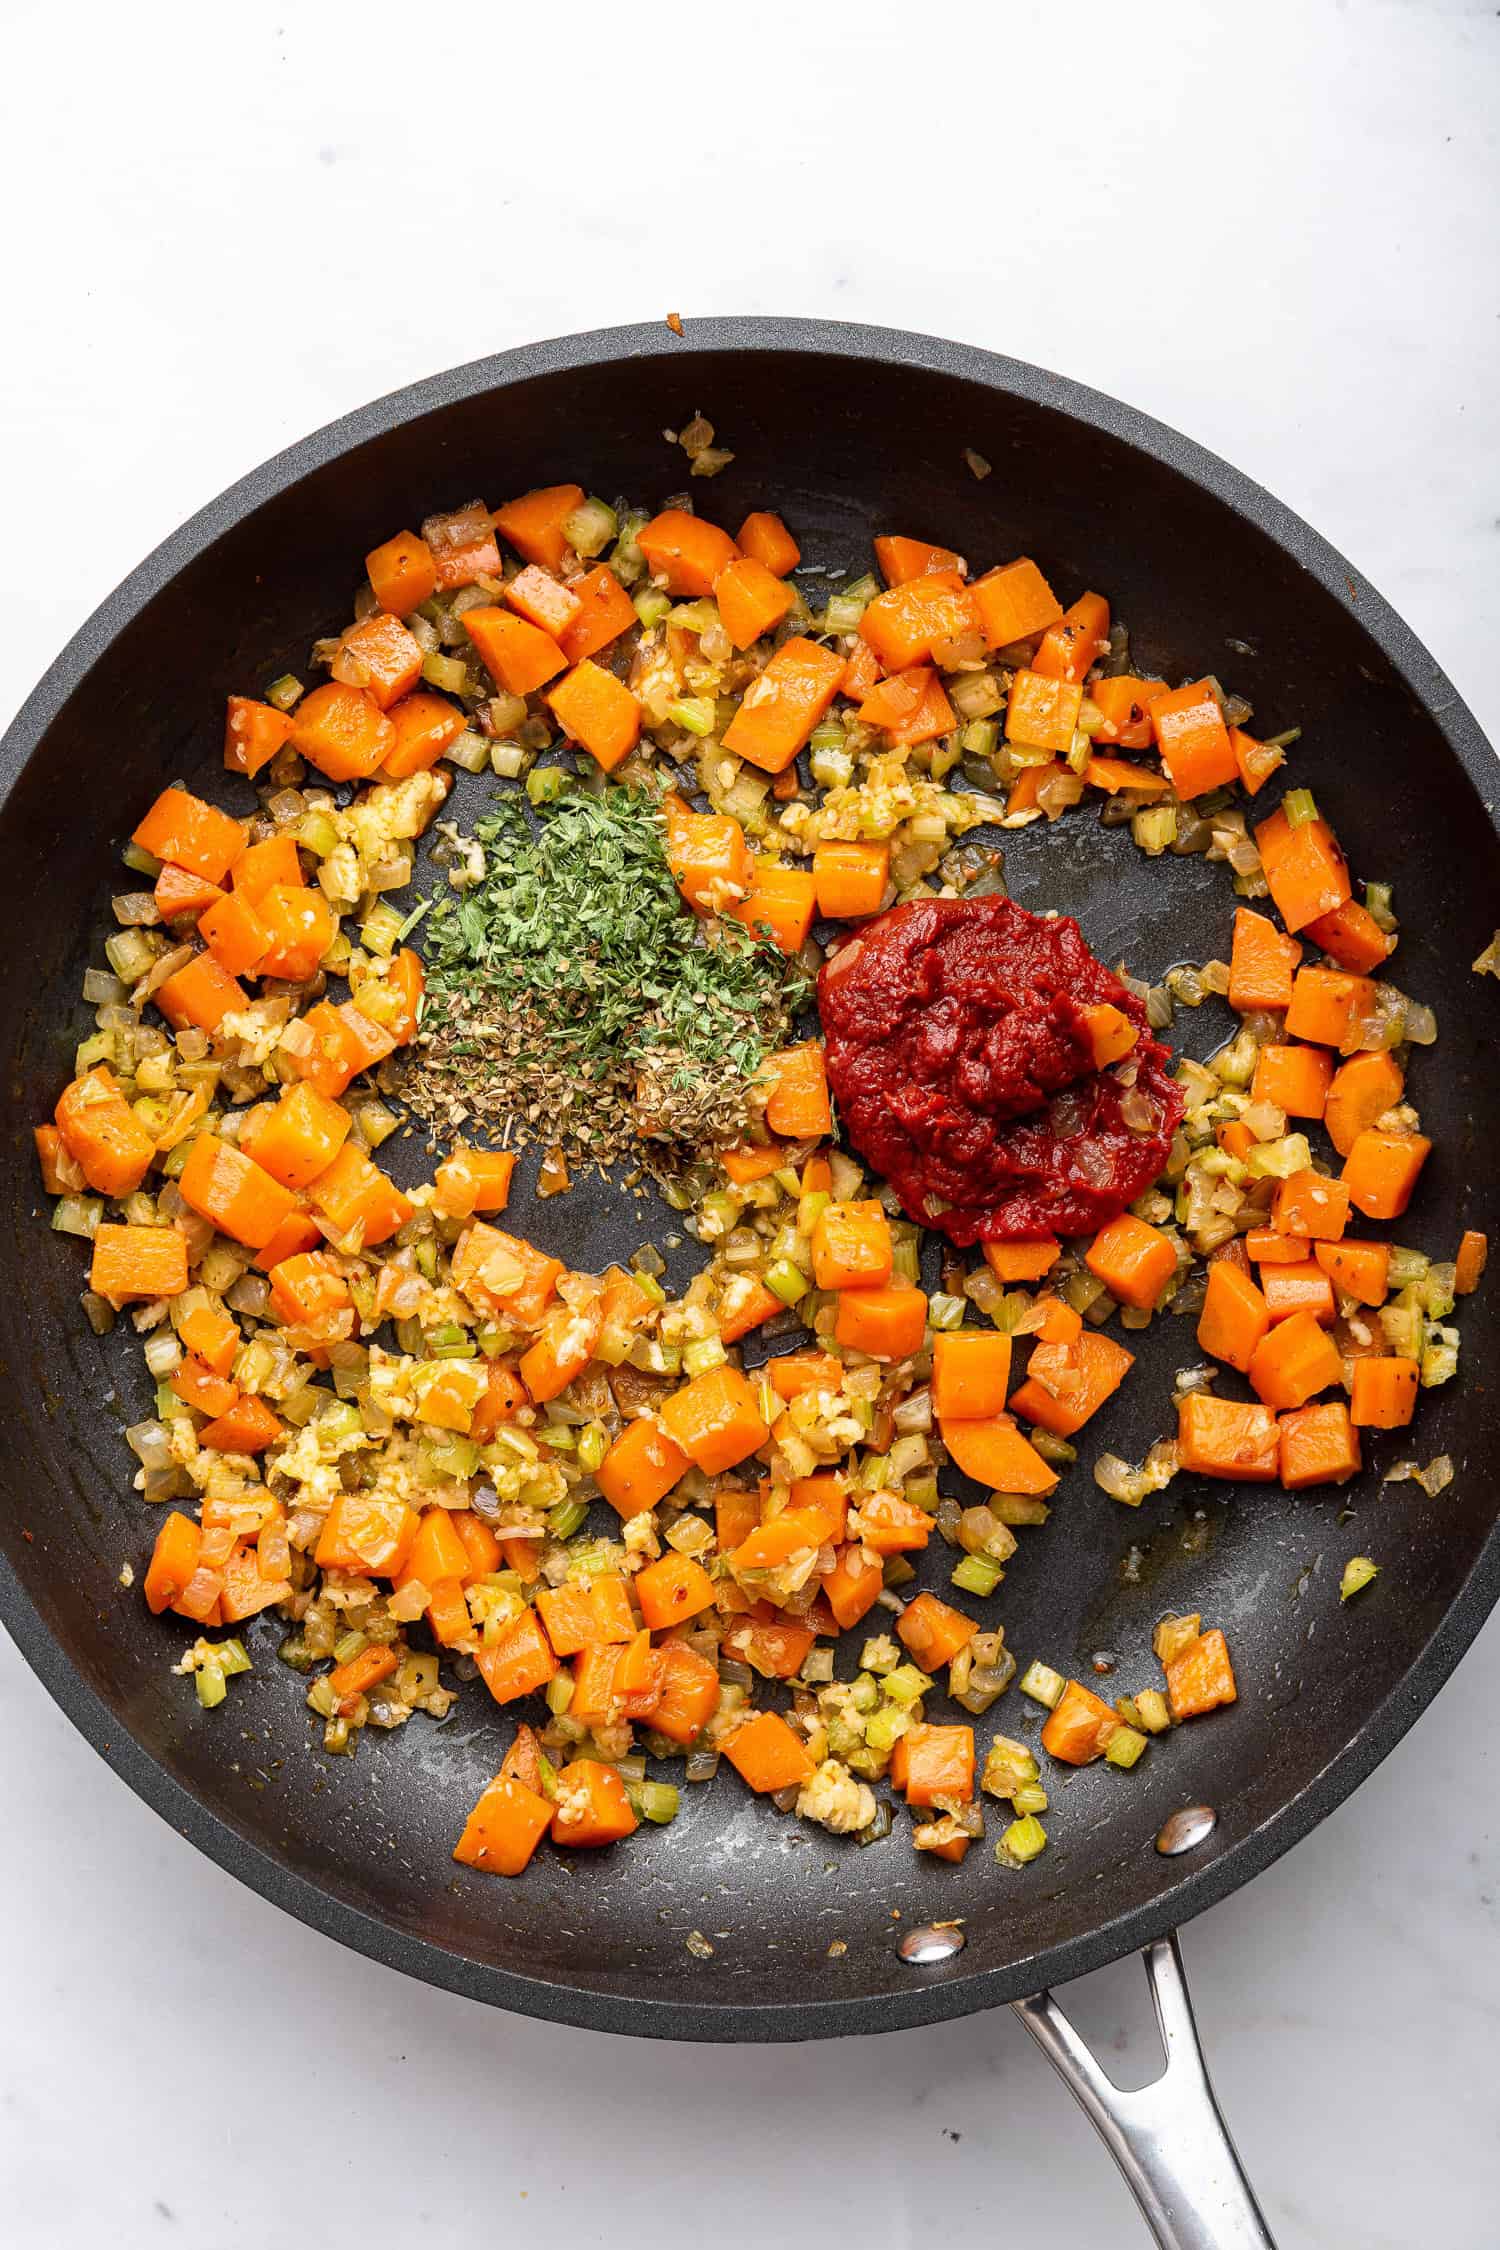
[{"x": 962, "y": 1065}]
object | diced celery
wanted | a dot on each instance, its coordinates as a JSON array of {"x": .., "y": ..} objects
[
  {"x": 788, "y": 1282},
  {"x": 832, "y": 768},
  {"x": 1151, "y": 1710},
  {"x": 560, "y": 1436},
  {"x": 449, "y": 673},
  {"x": 1299, "y": 806},
  {"x": 208, "y": 1680},
  {"x": 347, "y": 1645},
  {"x": 593, "y": 1444},
  {"x": 884, "y": 1729},
  {"x": 651, "y": 605},
  {"x": 879, "y": 1654},
  {"x": 590, "y": 527},
  {"x": 1359, "y": 1572},
  {"x": 559, "y": 1694},
  {"x": 380, "y": 932},
  {"x": 844, "y": 613},
  {"x": 977, "y": 1574},
  {"x": 656, "y": 1801},
  {"x": 566, "y": 1518},
  {"x": 545, "y": 784},
  {"x": 317, "y": 834},
  {"x": 1155, "y": 829},
  {"x": 906, "y": 1684},
  {"x": 283, "y": 693},
  {"x": 77, "y": 1214},
  {"x": 979, "y": 738},
  {"x": 140, "y": 861},
  {"x": 695, "y": 714},
  {"x": 703, "y": 1353},
  {"x": 1031, "y": 1797},
  {"x": 1277, "y": 1160},
  {"x": 944, "y": 1311},
  {"x": 1024, "y": 1840},
  {"x": 1124, "y": 1747},
  {"x": 1043, "y": 1685}
]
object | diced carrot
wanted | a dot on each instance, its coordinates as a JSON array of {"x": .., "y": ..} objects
[
  {"x": 449, "y": 1395},
  {"x": 745, "y": 1304},
  {"x": 234, "y": 934},
  {"x": 605, "y": 611},
  {"x": 500, "y": 1273},
  {"x": 300, "y": 925},
  {"x": 308, "y": 1291},
  {"x": 1361, "y": 1091},
  {"x": 1133, "y": 1259},
  {"x": 563, "y": 1349},
  {"x": 520, "y": 657},
  {"x": 200, "y": 1598},
  {"x": 585, "y": 1610},
  {"x": 1304, "y": 868},
  {"x": 1060, "y": 1323},
  {"x": 351, "y": 1192},
  {"x": 1224, "y": 1437},
  {"x": 519, "y": 1661},
  {"x": 707, "y": 853},
  {"x": 543, "y": 601},
  {"x": 1303, "y": 1288},
  {"x": 1200, "y": 1677},
  {"x": 182, "y": 828},
  {"x": 906, "y": 623},
  {"x": 1237, "y": 1138},
  {"x": 342, "y": 731},
  {"x": 1308, "y": 1203},
  {"x": 131, "y": 1262},
  {"x": 851, "y": 1246},
  {"x": 890, "y": 1524},
  {"x": 212, "y": 1335},
  {"x": 220, "y": 1183},
  {"x": 1068, "y": 1382},
  {"x": 860, "y": 673},
  {"x": 1327, "y": 1004},
  {"x": 673, "y": 1590},
  {"x": 933, "y": 1762},
  {"x": 853, "y": 1586},
  {"x": 1126, "y": 704},
  {"x": 770, "y": 1545},
  {"x": 1078, "y": 640},
  {"x": 523, "y": 1760},
  {"x": 503, "y": 1400},
  {"x": 473, "y": 1179},
  {"x": 381, "y": 657},
  {"x": 1118, "y": 773},
  {"x": 1266, "y": 1247},
  {"x": 248, "y": 1426},
  {"x": 1294, "y": 1362},
  {"x": 535, "y": 524},
  {"x": 715, "y": 1420},
  {"x": 771, "y": 1645},
  {"x": 779, "y": 905},
  {"x": 1384, "y": 1394},
  {"x": 504, "y": 1829},
  {"x": 764, "y": 536},
  {"x": 367, "y": 1669},
  {"x": 1042, "y": 713},
  {"x": 1195, "y": 745},
  {"x": 1079, "y": 1726},
  {"x": 1473, "y": 1257},
  {"x": 993, "y": 1452},
  {"x": 345, "y": 1041},
  {"x": 736, "y": 1515},
  {"x": 1352, "y": 936},
  {"x": 970, "y": 1374},
  {"x": 180, "y": 896},
  {"x": 752, "y": 600},
  {"x": 750, "y": 1161},
  {"x": 521, "y": 1556},
  {"x": 933, "y": 1631},
  {"x": 1021, "y": 1261},
  {"x": 201, "y": 993},
  {"x": 1014, "y": 603},
  {"x": 436, "y": 1552},
  {"x": 1235, "y": 1316},
  {"x": 900, "y": 560},
  {"x": 596, "y": 1697},
  {"x": 796, "y": 1372},
  {"x": 198, "y": 1386},
  {"x": 888, "y": 1321},
  {"x": 766, "y": 1754},
  {"x": 247, "y": 1589},
  {"x": 425, "y": 726},
  {"x": 1360, "y": 1269},
  {"x": 797, "y": 1104},
  {"x": 598, "y": 711},
  {"x": 591, "y": 1806},
  {"x": 783, "y": 703},
  {"x": 685, "y": 553},
  {"x": 1111, "y": 1033},
  {"x": 260, "y": 867},
  {"x": 1320, "y": 1444},
  {"x": 297, "y": 1232},
  {"x": 253, "y": 733},
  {"x": 402, "y": 573},
  {"x": 1381, "y": 1170},
  {"x": 102, "y": 1133},
  {"x": 822, "y": 1502},
  {"x": 1262, "y": 962},
  {"x": 911, "y": 706},
  {"x": 174, "y": 1558},
  {"x": 687, "y": 1696},
  {"x": 1295, "y": 1079},
  {"x": 851, "y": 880}
]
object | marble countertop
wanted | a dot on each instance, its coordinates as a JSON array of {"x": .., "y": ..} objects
[{"x": 1268, "y": 227}]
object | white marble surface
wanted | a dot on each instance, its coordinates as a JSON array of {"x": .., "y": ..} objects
[{"x": 1271, "y": 227}]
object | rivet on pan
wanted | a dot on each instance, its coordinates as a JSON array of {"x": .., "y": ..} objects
[
  {"x": 1186, "y": 1829},
  {"x": 932, "y": 1941}
]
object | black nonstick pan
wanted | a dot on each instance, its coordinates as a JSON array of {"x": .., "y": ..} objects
[{"x": 847, "y": 431}]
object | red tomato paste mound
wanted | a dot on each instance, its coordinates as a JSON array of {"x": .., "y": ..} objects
[{"x": 962, "y": 1066}]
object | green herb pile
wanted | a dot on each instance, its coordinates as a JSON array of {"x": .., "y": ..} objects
[{"x": 572, "y": 998}]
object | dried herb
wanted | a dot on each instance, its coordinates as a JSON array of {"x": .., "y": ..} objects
[{"x": 571, "y": 997}]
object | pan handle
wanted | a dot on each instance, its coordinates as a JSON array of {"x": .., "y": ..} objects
[{"x": 1169, "y": 2138}]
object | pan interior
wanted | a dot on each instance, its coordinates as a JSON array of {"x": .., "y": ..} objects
[{"x": 843, "y": 448}]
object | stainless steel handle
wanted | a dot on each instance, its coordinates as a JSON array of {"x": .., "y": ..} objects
[{"x": 1169, "y": 2138}]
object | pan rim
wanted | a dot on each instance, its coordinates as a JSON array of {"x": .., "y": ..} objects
[{"x": 942, "y": 1993}]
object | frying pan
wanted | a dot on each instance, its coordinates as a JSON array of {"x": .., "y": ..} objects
[{"x": 847, "y": 431}]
